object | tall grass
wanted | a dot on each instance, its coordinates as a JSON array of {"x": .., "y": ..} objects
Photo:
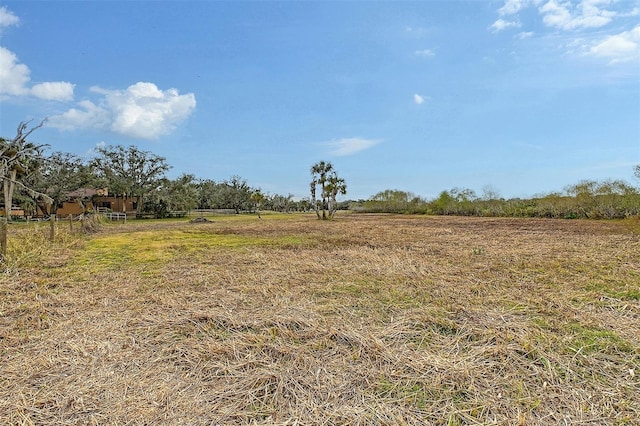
[{"x": 28, "y": 244}]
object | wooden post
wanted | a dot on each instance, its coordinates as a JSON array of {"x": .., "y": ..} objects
[
  {"x": 3, "y": 238},
  {"x": 71, "y": 223},
  {"x": 52, "y": 231}
]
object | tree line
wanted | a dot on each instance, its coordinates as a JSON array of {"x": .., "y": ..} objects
[
  {"x": 40, "y": 183},
  {"x": 589, "y": 199},
  {"x": 36, "y": 181}
]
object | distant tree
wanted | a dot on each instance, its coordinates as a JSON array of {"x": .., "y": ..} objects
[
  {"x": 490, "y": 193},
  {"x": 326, "y": 178},
  {"x": 18, "y": 159},
  {"x": 180, "y": 194},
  {"x": 636, "y": 172},
  {"x": 394, "y": 201},
  {"x": 336, "y": 186},
  {"x": 236, "y": 194},
  {"x": 207, "y": 194},
  {"x": 60, "y": 174},
  {"x": 303, "y": 205},
  {"x": 444, "y": 204},
  {"x": 129, "y": 171},
  {"x": 281, "y": 203},
  {"x": 257, "y": 198}
]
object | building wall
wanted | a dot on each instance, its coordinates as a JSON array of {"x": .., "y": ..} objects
[
  {"x": 116, "y": 204},
  {"x": 72, "y": 207}
]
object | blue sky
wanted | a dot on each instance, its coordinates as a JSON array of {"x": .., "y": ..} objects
[{"x": 524, "y": 96}]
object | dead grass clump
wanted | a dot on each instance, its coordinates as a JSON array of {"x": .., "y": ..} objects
[{"x": 362, "y": 320}]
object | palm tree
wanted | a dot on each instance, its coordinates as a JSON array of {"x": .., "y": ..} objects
[
  {"x": 319, "y": 172},
  {"x": 324, "y": 175},
  {"x": 334, "y": 187},
  {"x": 258, "y": 198}
]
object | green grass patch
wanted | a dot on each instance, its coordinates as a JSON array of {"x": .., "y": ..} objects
[
  {"x": 148, "y": 248},
  {"x": 593, "y": 340}
]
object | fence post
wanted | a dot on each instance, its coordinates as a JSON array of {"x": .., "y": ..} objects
[
  {"x": 71, "y": 223},
  {"x": 3, "y": 238},
  {"x": 52, "y": 231}
]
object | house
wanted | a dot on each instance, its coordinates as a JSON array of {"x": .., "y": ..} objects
[{"x": 91, "y": 199}]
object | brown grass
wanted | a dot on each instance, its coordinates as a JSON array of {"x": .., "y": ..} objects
[{"x": 362, "y": 320}]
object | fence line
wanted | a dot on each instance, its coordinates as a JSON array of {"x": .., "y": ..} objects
[{"x": 115, "y": 216}]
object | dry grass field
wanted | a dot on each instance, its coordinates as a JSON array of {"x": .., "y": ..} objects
[{"x": 363, "y": 320}]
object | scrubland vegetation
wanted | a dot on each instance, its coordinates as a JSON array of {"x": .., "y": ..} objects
[
  {"x": 586, "y": 200},
  {"x": 365, "y": 319}
]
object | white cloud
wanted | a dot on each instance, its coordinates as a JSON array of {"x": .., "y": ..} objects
[
  {"x": 501, "y": 24},
  {"x": 350, "y": 146},
  {"x": 418, "y": 99},
  {"x": 511, "y": 7},
  {"x": 565, "y": 14},
  {"x": 53, "y": 91},
  {"x": 425, "y": 53},
  {"x": 15, "y": 78},
  {"x": 524, "y": 35},
  {"x": 140, "y": 111},
  {"x": 13, "y": 75},
  {"x": 621, "y": 47},
  {"x": 90, "y": 116},
  {"x": 587, "y": 14},
  {"x": 7, "y": 18}
]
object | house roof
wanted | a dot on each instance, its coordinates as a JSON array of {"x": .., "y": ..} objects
[{"x": 87, "y": 192}]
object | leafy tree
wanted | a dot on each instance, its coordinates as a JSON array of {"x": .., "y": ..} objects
[
  {"x": 257, "y": 198},
  {"x": 324, "y": 176},
  {"x": 636, "y": 172},
  {"x": 444, "y": 204},
  {"x": 129, "y": 171},
  {"x": 207, "y": 194},
  {"x": 236, "y": 194},
  {"x": 281, "y": 203},
  {"x": 395, "y": 201},
  {"x": 334, "y": 187},
  {"x": 18, "y": 159},
  {"x": 303, "y": 205},
  {"x": 180, "y": 194},
  {"x": 60, "y": 174}
]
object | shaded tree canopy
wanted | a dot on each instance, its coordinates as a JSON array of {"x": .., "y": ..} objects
[{"x": 130, "y": 171}]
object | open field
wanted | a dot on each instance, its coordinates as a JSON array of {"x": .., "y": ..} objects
[{"x": 362, "y": 320}]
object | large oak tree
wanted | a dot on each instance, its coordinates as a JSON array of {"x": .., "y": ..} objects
[{"x": 130, "y": 172}]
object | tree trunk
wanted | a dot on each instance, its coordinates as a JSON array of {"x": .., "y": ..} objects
[
  {"x": 7, "y": 203},
  {"x": 8, "y": 188},
  {"x": 139, "y": 201},
  {"x": 3, "y": 239}
]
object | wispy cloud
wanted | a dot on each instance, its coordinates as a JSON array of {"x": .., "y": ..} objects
[
  {"x": 501, "y": 24},
  {"x": 524, "y": 35},
  {"x": 349, "y": 146},
  {"x": 416, "y": 31},
  {"x": 142, "y": 110},
  {"x": 425, "y": 53},
  {"x": 7, "y": 18},
  {"x": 587, "y": 14},
  {"x": 418, "y": 99},
  {"x": 586, "y": 26},
  {"x": 566, "y": 14},
  {"x": 621, "y": 47}
]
